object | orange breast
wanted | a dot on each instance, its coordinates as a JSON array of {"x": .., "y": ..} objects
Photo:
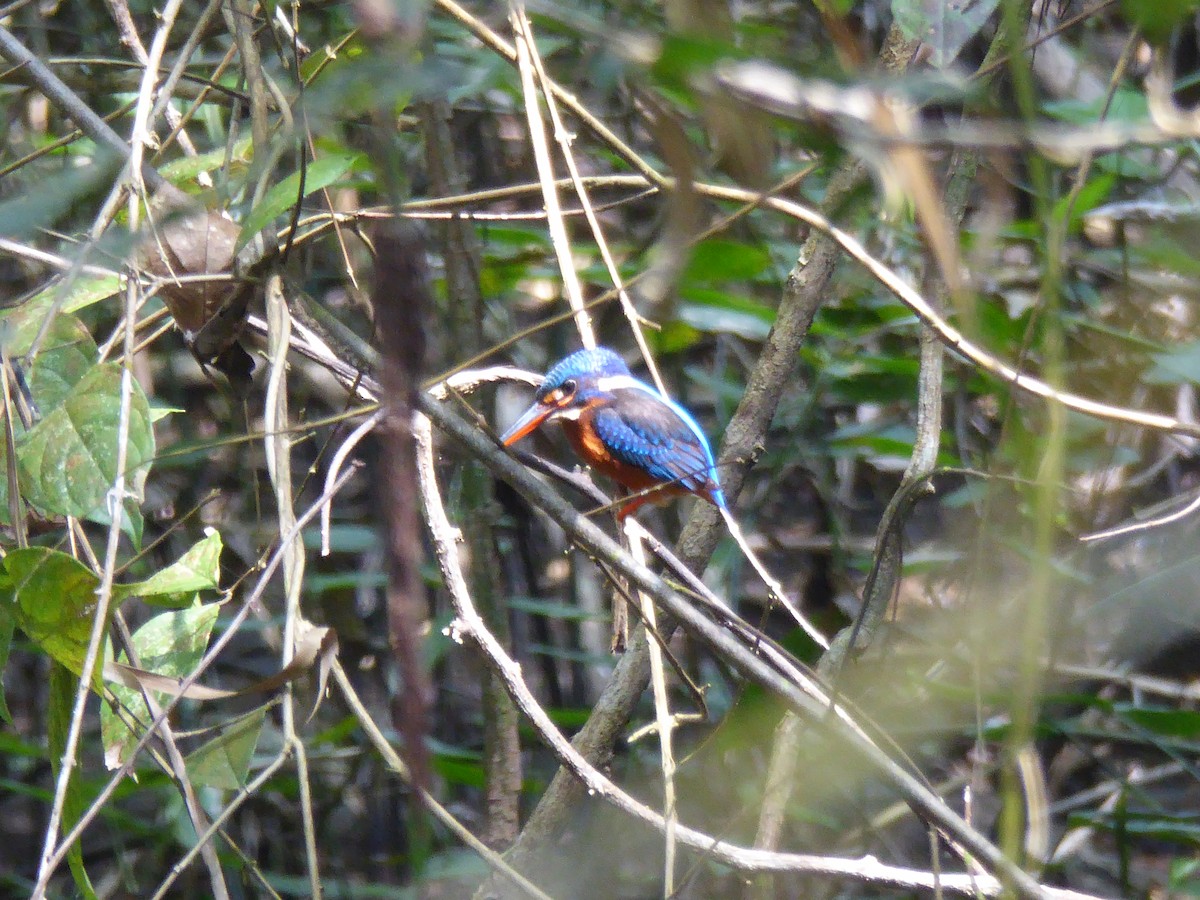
[{"x": 591, "y": 450}]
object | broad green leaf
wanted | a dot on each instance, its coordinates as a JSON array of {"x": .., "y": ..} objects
[
  {"x": 224, "y": 762},
  {"x": 321, "y": 172},
  {"x": 62, "y": 699},
  {"x": 170, "y": 644},
  {"x": 723, "y": 260},
  {"x": 1158, "y": 18},
  {"x": 67, "y": 353},
  {"x": 68, "y": 461},
  {"x": 84, "y": 291},
  {"x": 158, "y": 411},
  {"x": 185, "y": 169},
  {"x": 52, "y": 598},
  {"x": 721, "y": 312},
  {"x": 1093, "y": 193},
  {"x": 944, "y": 26},
  {"x": 457, "y": 770},
  {"x": 1178, "y": 365},
  {"x": 199, "y": 569},
  {"x": 723, "y": 320},
  {"x": 1175, "y": 723},
  {"x": 1126, "y": 105}
]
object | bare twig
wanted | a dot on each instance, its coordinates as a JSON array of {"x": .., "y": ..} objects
[
  {"x": 278, "y": 447},
  {"x": 545, "y": 167},
  {"x": 469, "y": 624}
]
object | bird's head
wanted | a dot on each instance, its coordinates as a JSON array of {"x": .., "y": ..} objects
[{"x": 572, "y": 384}]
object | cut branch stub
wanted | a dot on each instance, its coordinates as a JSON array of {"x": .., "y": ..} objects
[{"x": 181, "y": 245}]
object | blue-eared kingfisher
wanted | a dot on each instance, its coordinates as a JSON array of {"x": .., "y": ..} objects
[{"x": 623, "y": 428}]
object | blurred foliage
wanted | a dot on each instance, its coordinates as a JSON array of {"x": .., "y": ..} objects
[{"x": 1082, "y": 272}]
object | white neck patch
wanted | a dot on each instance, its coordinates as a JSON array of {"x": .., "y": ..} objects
[{"x": 619, "y": 382}]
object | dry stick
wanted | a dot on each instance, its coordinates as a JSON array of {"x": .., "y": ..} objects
[
  {"x": 115, "y": 503},
  {"x": 178, "y": 121},
  {"x": 131, "y": 39},
  {"x": 772, "y": 583},
  {"x": 277, "y": 447},
  {"x": 117, "y": 495},
  {"x": 745, "y": 431},
  {"x": 752, "y": 860},
  {"x": 68, "y": 102},
  {"x": 178, "y": 767},
  {"x": 810, "y": 698},
  {"x": 509, "y": 52},
  {"x": 187, "y": 681},
  {"x": 949, "y": 335},
  {"x": 565, "y": 140},
  {"x": 545, "y": 169},
  {"x": 393, "y": 759},
  {"x": 662, "y": 713},
  {"x": 239, "y": 18}
]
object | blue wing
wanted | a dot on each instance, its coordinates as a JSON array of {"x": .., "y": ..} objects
[{"x": 641, "y": 429}]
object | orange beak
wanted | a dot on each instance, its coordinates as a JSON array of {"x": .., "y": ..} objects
[{"x": 529, "y": 422}]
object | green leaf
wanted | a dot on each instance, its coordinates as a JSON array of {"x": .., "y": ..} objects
[
  {"x": 84, "y": 291},
  {"x": 320, "y": 173},
  {"x": 62, "y": 700},
  {"x": 67, "y": 353},
  {"x": 1126, "y": 105},
  {"x": 52, "y": 598},
  {"x": 159, "y": 411},
  {"x": 6, "y": 634},
  {"x": 1175, "y": 723},
  {"x": 1093, "y": 194},
  {"x": 720, "y": 312},
  {"x": 224, "y": 762},
  {"x": 185, "y": 169},
  {"x": 554, "y": 610},
  {"x": 944, "y": 26},
  {"x": 724, "y": 320},
  {"x": 170, "y": 644},
  {"x": 1175, "y": 366},
  {"x": 68, "y": 461},
  {"x": 1158, "y": 18},
  {"x": 199, "y": 569},
  {"x": 724, "y": 260}
]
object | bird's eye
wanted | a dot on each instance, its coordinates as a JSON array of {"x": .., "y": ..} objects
[{"x": 568, "y": 387}]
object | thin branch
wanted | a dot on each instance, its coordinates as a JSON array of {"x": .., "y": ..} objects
[
  {"x": 545, "y": 167},
  {"x": 277, "y": 447},
  {"x": 116, "y": 504},
  {"x": 69, "y": 104},
  {"x": 217, "y": 648},
  {"x": 468, "y": 624}
]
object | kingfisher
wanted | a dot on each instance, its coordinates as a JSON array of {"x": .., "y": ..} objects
[{"x": 623, "y": 428}]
